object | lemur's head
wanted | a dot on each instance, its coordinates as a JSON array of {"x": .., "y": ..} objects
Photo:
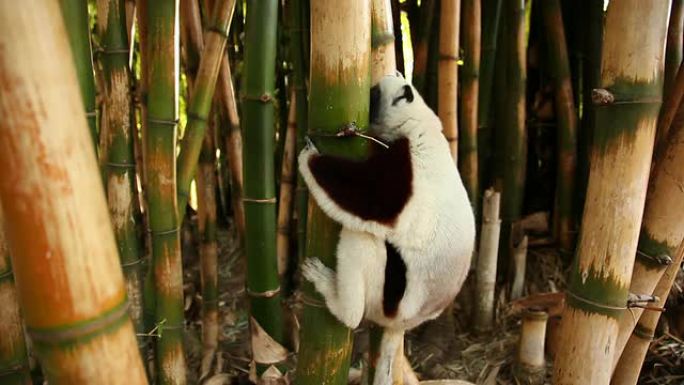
[{"x": 397, "y": 110}]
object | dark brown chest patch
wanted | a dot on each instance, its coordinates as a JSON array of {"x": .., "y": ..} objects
[
  {"x": 395, "y": 281},
  {"x": 377, "y": 188}
]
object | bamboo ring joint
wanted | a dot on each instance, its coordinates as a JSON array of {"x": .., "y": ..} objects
[
  {"x": 592, "y": 303},
  {"x": 445, "y": 57},
  {"x": 305, "y": 299},
  {"x": 164, "y": 232},
  {"x": 264, "y": 294},
  {"x": 266, "y": 200},
  {"x": 7, "y": 274},
  {"x": 163, "y": 121},
  {"x": 660, "y": 259},
  {"x": 264, "y": 98},
  {"x": 221, "y": 31},
  {"x": 643, "y": 333},
  {"x": 91, "y": 114},
  {"x": 128, "y": 265},
  {"x": 116, "y": 51},
  {"x": 192, "y": 116},
  {"x": 120, "y": 165}
]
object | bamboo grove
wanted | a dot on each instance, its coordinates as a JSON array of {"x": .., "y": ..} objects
[{"x": 153, "y": 222}]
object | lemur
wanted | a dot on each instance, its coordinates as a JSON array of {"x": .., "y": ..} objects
[{"x": 408, "y": 229}]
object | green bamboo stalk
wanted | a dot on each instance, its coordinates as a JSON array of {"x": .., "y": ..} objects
[
  {"x": 512, "y": 147},
  {"x": 620, "y": 165},
  {"x": 69, "y": 284},
  {"x": 470, "y": 82},
  {"x": 14, "y": 365},
  {"x": 75, "y": 14},
  {"x": 567, "y": 123},
  {"x": 673, "y": 50},
  {"x": 259, "y": 184},
  {"x": 337, "y": 98},
  {"x": 590, "y": 80},
  {"x": 200, "y": 102},
  {"x": 298, "y": 51},
  {"x": 491, "y": 15},
  {"x": 119, "y": 168},
  {"x": 160, "y": 74}
]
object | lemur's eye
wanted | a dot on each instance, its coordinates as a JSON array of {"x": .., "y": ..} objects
[{"x": 408, "y": 95}]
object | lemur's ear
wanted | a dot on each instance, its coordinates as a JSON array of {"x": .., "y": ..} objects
[{"x": 408, "y": 93}]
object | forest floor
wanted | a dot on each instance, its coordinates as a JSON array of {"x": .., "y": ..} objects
[{"x": 442, "y": 349}]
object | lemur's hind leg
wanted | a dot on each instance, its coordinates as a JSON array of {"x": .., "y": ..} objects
[{"x": 344, "y": 291}]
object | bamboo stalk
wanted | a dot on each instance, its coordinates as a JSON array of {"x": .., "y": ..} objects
[
  {"x": 530, "y": 366},
  {"x": 673, "y": 50},
  {"x": 491, "y": 16},
  {"x": 259, "y": 188},
  {"x": 325, "y": 348},
  {"x": 160, "y": 60},
  {"x": 661, "y": 227},
  {"x": 14, "y": 364},
  {"x": 422, "y": 44},
  {"x": 75, "y": 14},
  {"x": 117, "y": 149},
  {"x": 470, "y": 84},
  {"x": 519, "y": 263},
  {"x": 620, "y": 162},
  {"x": 383, "y": 57},
  {"x": 487, "y": 261},
  {"x": 631, "y": 361},
  {"x": 447, "y": 85},
  {"x": 567, "y": 124},
  {"x": 71, "y": 290},
  {"x": 669, "y": 110},
  {"x": 287, "y": 181},
  {"x": 200, "y": 102},
  {"x": 398, "y": 36}
]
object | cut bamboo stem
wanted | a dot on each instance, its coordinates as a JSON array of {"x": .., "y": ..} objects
[
  {"x": 631, "y": 361},
  {"x": 530, "y": 368},
  {"x": 287, "y": 181},
  {"x": 14, "y": 364},
  {"x": 567, "y": 124},
  {"x": 519, "y": 262},
  {"x": 449, "y": 22},
  {"x": 71, "y": 289},
  {"x": 620, "y": 165},
  {"x": 470, "y": 83},
  {"x": 75, "y": 14},
  {"x": 487, "y": 261}
]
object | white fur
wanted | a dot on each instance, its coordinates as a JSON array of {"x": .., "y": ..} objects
[{"x": 434, "y": 233}]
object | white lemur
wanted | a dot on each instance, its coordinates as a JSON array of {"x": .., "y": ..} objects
[{"x": 408, "y": 231}]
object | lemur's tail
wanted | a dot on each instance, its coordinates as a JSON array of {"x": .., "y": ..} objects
[{"x": 391, "y": 340}]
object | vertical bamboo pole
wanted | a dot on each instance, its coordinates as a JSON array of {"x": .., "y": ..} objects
[
  {"x": 161, "y": 62},
  {"x": 449, "y": 21},
  {"x": 259, "y": 199},
  {"x": 200, "y": 102},
  {"x": 631, "y": 361},
  {"x": 398, "y": 36},
  {"x": 470, "y": 83},
  {"x": 325, "y": 348},
  {"x": 661, "y": 228},
  {"x": 486, "y": 262},
  {"x": 383, "y": 58},
  {"x": 530, "y": 367},
  {"x": 117, "y": 149},
  {"x": 421, "y": 44},
  {"x": 673, "y": 50},
  {"x": 567, "y": 123},
  {"x": 14, "y": 365},
  {"x": 287, "y": 181},
  {"x": 64, "y": 257},
  {"x": 75, "y": 14},
  {"x": 620, "y": 162}
]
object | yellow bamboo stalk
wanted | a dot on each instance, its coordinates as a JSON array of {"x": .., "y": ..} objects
[
  {"x": 383, "y": 58},
  {"x": 287, "y": 181},
  {"x": 70, "y": 285},
  {"x": 448, "y": 71}
]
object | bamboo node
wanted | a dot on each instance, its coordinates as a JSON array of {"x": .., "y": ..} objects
[
  {"x": 600, "y": 96},
  {"x": 593, "y": 303},
  {"x": 660, "y": 259},
  {"x": 115, "y": 51},
  {"x": 380, "y": 39},
  {"x": 162, "y": 121},
  {"x": 7, "y": 274},
  {"x": 264, "y": 98},
  {"x": 603, "y": 97},
  {"x": 445, "y": 57},
  {"x": 301, "y": 297},
  {"x": 254, "y": 200},
  {"x": 192, "y": 116},
  {"x": 91, "y": 114},
  {"x": 643, "y": 332},
  {"x": 264, "y": 294},
  {"x": 164, "y": 232},
  {"x": 135, "y": 263},
  {"x": 221, "y": 31},
  {"x": 120, "y": 165},
  {"x": 12, "y": 368}
]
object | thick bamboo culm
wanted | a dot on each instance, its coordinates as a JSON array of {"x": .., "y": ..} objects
[
  {"x": 673, "y": 50},
  {"x": 669, "y": 110},
  {"x": 160, "y": 62},
  {"x": 447, "y": 85},
  {"x": 14, "y": 364},
  {"x": 258, "y": 120},
  {"x": 383, "y": 57},
  {"x": 75, "y": 14},
  {"x": 116, "y": 148},
  {"x": 202, "y": 96},
  {"x": 470, "y": 85},
  {"x": 71, "y": 289},
  {"x": 530, "y": 365},
  {"x": 519, "y": 263},
  {"x": 487, "y": 261},
  {"x": 629, "y": 365},
  {"x": 661, "y": 228},
  {"x": 338, "y": 96},
  {"x": 620, "y": 165},
  {"x": 287, "y": 182},
  {"x": 566, "y": 117}
]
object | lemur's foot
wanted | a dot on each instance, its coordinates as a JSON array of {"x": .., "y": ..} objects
[{"x": 322, "y": 277}]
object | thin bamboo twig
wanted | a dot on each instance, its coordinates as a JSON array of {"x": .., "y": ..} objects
[{"x": 71, "y": 289}]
